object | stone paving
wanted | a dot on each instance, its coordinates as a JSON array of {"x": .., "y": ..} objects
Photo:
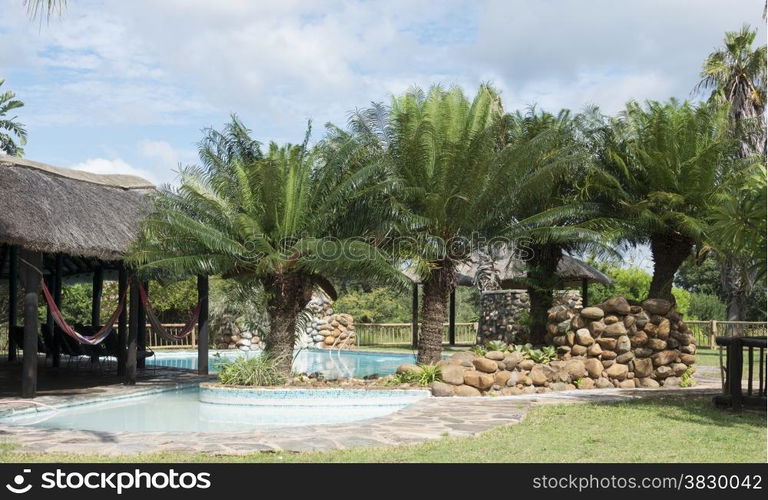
[{"x": 427, "y": 419}]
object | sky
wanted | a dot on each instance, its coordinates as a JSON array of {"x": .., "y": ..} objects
[{"x": 127, "y": 87}]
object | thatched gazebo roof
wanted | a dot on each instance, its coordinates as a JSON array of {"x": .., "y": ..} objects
[{"x": 80, "y": 214}]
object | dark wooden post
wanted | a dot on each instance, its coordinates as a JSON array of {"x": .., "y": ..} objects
[
  {"x": 415, "y": 315},
  {"x": 32, "y": 272},
  {"x": 735, "y": 370},
  {"x": 122, "y": 325},
  {"x": 55, "y": 287},
  {"x": 141, "y": 340},
  {"x": 584, "y": 293},
  {"x": 133, "y": 332},
  {"x": 202, "y": 325},
  {"x": 452, "y": 317},
  {"x": 13, "y": 295},
  {"x": 98, "y": 288}
]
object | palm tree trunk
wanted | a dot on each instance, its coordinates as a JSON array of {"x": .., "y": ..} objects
[
  {"x": 735, "y": 288},
  {"x": 288, "y": 295},
  {"x": 437, "y": 288},
  {"x": 542, "y": 281},
  {"x": 668, "y": 252}
]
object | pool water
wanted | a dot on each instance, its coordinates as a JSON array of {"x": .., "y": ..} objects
[
  {"x": 182, "y": 411},
  {"x": 332, "y": 364}
]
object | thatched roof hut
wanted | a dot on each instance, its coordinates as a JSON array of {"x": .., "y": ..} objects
[{"x": 80, "y": 214}]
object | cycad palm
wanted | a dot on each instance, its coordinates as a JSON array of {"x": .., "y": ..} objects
[
  {"x": 279, "y": 219},
  {"x": 8, "y": 144},
  {"x": 446, "y": 184},
  {"x": 662, "y": 167}
]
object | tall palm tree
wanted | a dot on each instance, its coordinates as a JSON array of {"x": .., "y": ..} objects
[
  {"x": 8, "y": 144},
  {"x": 280, "y": 219},
  {"x": 550, "y": 158},
  {"x": 735, "y": 75},
  {"x": 661, "y": 167},
  {"x": 443, "y": 156}
]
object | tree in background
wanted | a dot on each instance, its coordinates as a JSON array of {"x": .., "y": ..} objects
[
  {"x": 279, "y": 220},
  {"x": 13, "y": 135},
  {"x": 659, "y": 174}
]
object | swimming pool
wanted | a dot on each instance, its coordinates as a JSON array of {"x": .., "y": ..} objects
[
  {"x": 332, "y": 364},
  {"x": 182, "y": 411}
]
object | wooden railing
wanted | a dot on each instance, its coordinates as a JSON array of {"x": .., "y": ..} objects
[
  {"x": 706, "y": 331},
  {"x": 743, "y": 386},
  {"x": 370, "y": 334},
  {"x": 157, "y": 341}
]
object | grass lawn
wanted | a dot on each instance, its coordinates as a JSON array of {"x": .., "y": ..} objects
[{"x": 661, "y": 430}]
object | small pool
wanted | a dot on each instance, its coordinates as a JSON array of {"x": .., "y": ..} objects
[
  {"x": 182, "y": 411},
  {"x": 332, "y": 364}
]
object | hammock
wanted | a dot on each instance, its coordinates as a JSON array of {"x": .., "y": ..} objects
[
  {"x": 158, "y": 327},
  {"x": 94, "y": 339}
]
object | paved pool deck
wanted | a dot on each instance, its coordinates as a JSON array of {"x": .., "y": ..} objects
[{"x": 427, "y": 419}]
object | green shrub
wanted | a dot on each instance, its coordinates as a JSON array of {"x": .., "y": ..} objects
[
  {"x": 253, "y": 371},
  {"x": 425, "y": 376},
  {"x": 544, "y": 355},
  {"x": 686, "y": 379},
  {"x": 478, "y": 349},
  {"x": 496, "y": 345},
  {"x": 705, "y": 306}
]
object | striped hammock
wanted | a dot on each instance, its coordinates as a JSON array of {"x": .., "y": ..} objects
[
  {"x": 94, "y": 339},
  {"x": 158, "y": 327}
]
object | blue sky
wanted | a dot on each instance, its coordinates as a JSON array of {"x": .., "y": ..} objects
[{"x": 127, "y": 86}]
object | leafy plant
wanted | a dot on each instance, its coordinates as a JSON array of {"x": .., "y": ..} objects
[
  {"x": 544, "y": 355},
  {"x": 253, "y": 371},
  {"x": 424, "y": 376},
  {"x": 686, "y": 379},
  {"x": 478, "y": 349},
  {"x": 496, "y": 345}
]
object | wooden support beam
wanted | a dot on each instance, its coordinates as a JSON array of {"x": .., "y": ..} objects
[
  {"x": 31, "y": 271},
  {"x": 452, "y": 317},
  {"x": 141, "y": 340},
  {"x": 122, "y": 323},
  {"x": 97, "y": 290},
  {"x": 133, "y": 333},
  {"x": 13, "y": 295},
  {"x": 584, "y": 293},
  {"x": 58, "y": 271},
  {"x": 202, "y": 325},
  {"x": 415, "y": 315}
]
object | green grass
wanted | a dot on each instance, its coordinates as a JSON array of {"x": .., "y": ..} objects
[{"x": 654, "y": 430}]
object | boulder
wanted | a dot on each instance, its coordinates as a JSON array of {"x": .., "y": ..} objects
[
  {"x": 578, "y": 350},
  {"x": 625, "y": 358},
  {"x": 494, "y": 355},
  {"x": 563, "y": 350},
  {"x": 452, "y": 374},
  {"x": 641, "y": 319},
  {"x": 570, "y": 338},
  {"x": 594, "y": 350},
  {"x": 671, "y": 382},
  {"x": 466, "y": 391},
  {"x": 615, "y": 330},
  {"x": 623, "y": 344},
  {"x": 511, "y": 391},
  {"x": 479, "y": 380},
  {"x": 688, "y": 359},
  {"x": 594, "y": 367},
  {"x": 608, "y": 355},
  {"x": 583, "y": 337},
  {"x": 627, "y": 384},
  {"x": 578, "y": 322},
  {"x": 608, "y": 362},
  {"x": 407, "y": 368},
  {"x": 538, "y": 375},
  {"x": 603, "y": 383},
  {"x": 616, "y": 305},
  {"x": 643, "y": 352},
  {"x": 662, "y": 372},
  {"x": 629, "y": 321},
  {"x": 678, "y": 368},
  {"x": 664, "y": 357},
  {"x": 617, "y": 371},
  {"x": 501, "y": 378},
  {"x": 650, "y": 329},
  {"x": 656, "y": 344},
  {"x": 448, "y": 362},
  {"x": 639, "y": 339},
  {"x": 560, "y": 386},
  {"x": 592, "y": 313},
  {"x": 643, "y": 367},
  {"x": 646, "y": 383},
  {"x": 464, "y": 356},
  {"x": 560, "y": 340},
  {"x": 596, "y": 328},
  {"x": 485, "y": 365},
  {"x": 526, "y": 364},
  {"x": 575, "y": 368},
  {"x": 586, "y": 383},
  {"x": 512, "y": 359},
  {"x": 441, "y": 389},
  {"x": 688, "y": 349},
  {"x": 564, "y": 326},
  {"x": 663, "y": 329},
  {"x": 657, "y": 306},
  {"x": 607, "y": 343}
]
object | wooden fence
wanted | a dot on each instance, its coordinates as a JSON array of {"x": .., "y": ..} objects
[
  {"x": 157, "y": 341},
  {"x": 369, "y": 334},
  {"x": 706, "y": 331}
]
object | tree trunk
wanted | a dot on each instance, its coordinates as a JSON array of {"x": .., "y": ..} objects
[
  {"x": 669, "y": 252},
  {"x": 542, "y": 281},
  {"x": 735, "y": 286},
  {"x": 288, "y": 295},
  {"x": 437, "y": 288}
]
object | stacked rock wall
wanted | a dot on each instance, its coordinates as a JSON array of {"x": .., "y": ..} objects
[
  {"x": 232, "y": 337},
  {"x": 325, "y": 329},
  {"x": 614, "y": 344}
]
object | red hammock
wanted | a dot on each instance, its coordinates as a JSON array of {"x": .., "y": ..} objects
[
  {"x": 158, "y": 327},
  {"x": 94, "y": 339}
]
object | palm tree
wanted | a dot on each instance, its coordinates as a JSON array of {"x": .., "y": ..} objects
[
  {"x": 8, "y": 145},
  {"x": 550, "y": 159},
  {"x": 446, "y": 182},
  {"x": 661, "y": 167},
  {"x": 280, "y": 219}
]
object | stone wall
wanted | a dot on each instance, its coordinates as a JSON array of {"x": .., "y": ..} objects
[
  {"x": 232, "y": 337},
  {"x": 325, "y": 329},
  {"x": 613, "y": 344},
  {"x": 504, "y": 313}
]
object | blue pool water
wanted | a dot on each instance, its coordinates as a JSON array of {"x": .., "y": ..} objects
[
  {"x": 332, "y": 364},
  {"x": 182, "y": 411}
]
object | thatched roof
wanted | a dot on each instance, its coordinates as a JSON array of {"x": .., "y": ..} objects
[
  {"x": 52, "y": 209},
  {"x": 511, "y": 271}
]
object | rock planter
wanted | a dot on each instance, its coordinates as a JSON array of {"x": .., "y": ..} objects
[
  {"x": 327, "y": 330},
  {"x": 611, "y": 345}
]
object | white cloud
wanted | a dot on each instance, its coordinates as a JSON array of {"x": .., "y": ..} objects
[{"x": 116, "y": 166}]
